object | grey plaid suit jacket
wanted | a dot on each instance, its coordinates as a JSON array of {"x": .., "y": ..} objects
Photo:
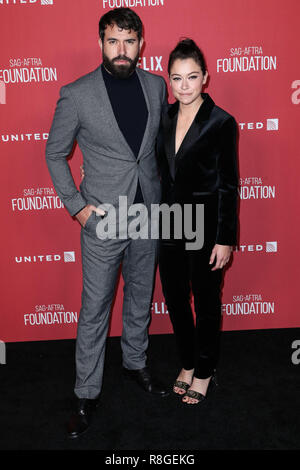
[{"x": 84, "y": 114}]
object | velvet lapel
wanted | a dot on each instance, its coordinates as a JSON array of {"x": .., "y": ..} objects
[
  {"x": 169, "y": 127},
  {"x": 192, "y": 134}
]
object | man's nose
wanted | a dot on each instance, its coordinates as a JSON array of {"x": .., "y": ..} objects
[{"x": 122, "y": 48}]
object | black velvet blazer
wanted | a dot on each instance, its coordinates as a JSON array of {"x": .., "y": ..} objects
[{"x": 204, "y": 170}]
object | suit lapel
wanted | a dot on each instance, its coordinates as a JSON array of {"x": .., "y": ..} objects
[
  {"x": 189, "y": 139},
  {"x": 169, "y": 132},
  {"x": 105, "y": 105},
  {"x": 192, "y": 134},
  {"x": 147, "y": 94}
]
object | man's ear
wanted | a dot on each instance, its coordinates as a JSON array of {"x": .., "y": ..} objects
[{"x": 100, "y": 43}]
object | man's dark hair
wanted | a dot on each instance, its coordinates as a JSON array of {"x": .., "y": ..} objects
[
  {"x": 124, "y": 18},
  {"x": 187, "y": 49}
]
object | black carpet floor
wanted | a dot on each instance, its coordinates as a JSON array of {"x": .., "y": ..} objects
[{"x": 255, "y": 407}]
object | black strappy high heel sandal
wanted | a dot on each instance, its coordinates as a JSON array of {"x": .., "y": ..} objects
[
  {"x": 180, "y": 384},
  {"x": 199, "y": 396}
]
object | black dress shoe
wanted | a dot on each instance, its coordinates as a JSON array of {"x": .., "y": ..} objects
[
  {"x": 81, "y": 418},
  {"x": 144, "y": 379}
]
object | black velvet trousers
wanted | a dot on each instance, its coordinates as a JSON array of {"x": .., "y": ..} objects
[{"x": 184, "y": 273}]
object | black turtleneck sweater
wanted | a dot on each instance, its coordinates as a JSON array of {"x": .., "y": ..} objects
[{"x": 130, "y": 110}]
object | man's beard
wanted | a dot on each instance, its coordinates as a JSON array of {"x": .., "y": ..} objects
[{"x": 120, "y": 71}]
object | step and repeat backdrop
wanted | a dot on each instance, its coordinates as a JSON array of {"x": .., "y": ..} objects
[{"x": 252, "y": 52}]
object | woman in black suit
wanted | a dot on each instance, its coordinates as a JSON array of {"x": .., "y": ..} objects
[{"x": 197, "y": 160}]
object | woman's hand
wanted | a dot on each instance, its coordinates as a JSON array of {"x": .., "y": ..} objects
[{"x": 222, "y": 254}]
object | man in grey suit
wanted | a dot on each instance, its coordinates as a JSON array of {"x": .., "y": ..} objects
[{"x": 113, "y": 113}]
